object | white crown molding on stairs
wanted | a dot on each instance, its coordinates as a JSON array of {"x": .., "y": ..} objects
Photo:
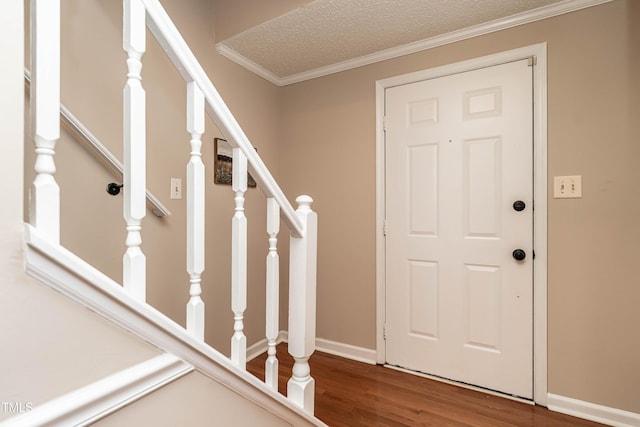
[
  {"x": 527, "y": 17},
  {"x": 63, "y": 271},
  {"x": 88, "y": 404}
]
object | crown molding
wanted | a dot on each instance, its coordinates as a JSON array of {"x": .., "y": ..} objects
[
  {"x": 243, "y": 61},
  {"x": 527, "y": 17}
]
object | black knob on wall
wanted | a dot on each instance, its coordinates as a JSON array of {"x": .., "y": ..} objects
[
  {"x": 113, "y": 188},
  {"x": 519, "y": 205},
  {"x": 519, "y": 254}
]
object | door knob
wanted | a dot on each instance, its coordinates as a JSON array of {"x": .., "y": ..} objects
[
  {"x": 519, "y": 254},
  {"x": 519, "y": 205}
]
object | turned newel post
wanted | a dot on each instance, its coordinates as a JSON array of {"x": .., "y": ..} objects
[
  {"x": 45, "y": 114},
  {"x": 134, "y": 141},
  {"x": 302, "y": 305}
]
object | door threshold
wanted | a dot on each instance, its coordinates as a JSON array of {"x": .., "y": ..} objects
[{"x": 463, "y": 385}]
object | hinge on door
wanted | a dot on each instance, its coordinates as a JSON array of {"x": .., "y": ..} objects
[
  {"x": 384, "y": 228},
  {"x": 532, "y": 61},
  {"x": 384, "y": 123},
  {"x": 384, "y": 331}
]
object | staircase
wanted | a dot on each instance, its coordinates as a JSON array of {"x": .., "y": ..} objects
[{"x": 180, "y": 355}]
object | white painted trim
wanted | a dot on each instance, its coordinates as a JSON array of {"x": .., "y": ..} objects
[
  {"x": 63, "y": 271},
  {"x": 527, "y": 17},
  {"x": 540, "y": 225},
  {"x": 243, "y": 61},
  {"x": 99, "y": 151},
  {"x": 348, "y": 351},
  {"x": 88, "y": 404},
  {"x": 540, "y": 195},
  {"x": 593, "y": 412},
  {"x": 381, "y": 253},
  {"x": 258, "y": 348}
]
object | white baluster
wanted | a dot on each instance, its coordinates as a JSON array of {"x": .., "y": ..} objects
[
  {"x": 302, "y": 306},
  {"x": 273, "y": 293},
  {"x": 134, "y": 261},
  {"x": 45, "y": 111},
  {"x": 195, "y": 211},
  {"x": 239, "y": 260}
]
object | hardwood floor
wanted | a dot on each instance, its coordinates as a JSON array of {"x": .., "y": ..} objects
[{"x": 350, "y": 394}]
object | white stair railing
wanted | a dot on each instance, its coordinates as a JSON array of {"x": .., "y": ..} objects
[
  {"x": 239, "y": 260},
  {"x": 44, "y": 212},
  {"x": 201, "y": 96},
  {"x": 134, "y": 142},
  {"x": 273, "y": 294},
  {"x": 195, "y": 211},
  {"x": 302, "y": 305}
]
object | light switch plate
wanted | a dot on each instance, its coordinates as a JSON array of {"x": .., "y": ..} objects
[
  {"x": 567, "y": 187},
  {"x": 176, "y": 188}
]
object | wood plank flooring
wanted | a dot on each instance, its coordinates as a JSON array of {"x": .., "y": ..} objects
[{"x": 351, "y": 394}]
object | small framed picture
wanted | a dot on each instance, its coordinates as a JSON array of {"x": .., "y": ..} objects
[{"x": 223, "y": 164}]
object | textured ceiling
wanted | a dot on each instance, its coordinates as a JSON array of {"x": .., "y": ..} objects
[{"x": 327, "y": 32}]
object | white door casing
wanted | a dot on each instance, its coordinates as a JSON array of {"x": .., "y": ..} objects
[
  {"x": 482, "y": 271},
  {"x": 458, "y": 155}
]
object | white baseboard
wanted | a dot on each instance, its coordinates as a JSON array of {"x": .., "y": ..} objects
[
  {"x": 256, "y": 349},
  {"x": 593, "y": 412},
  {"x": 347, "y": 351}
]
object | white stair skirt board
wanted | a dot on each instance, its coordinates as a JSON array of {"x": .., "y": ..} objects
[
  {"x": 347, "y": 351},
  {"x": 592, "y": 411},
  {"x": 63, "y": 271},
  {"x": 88, "y": 404}
]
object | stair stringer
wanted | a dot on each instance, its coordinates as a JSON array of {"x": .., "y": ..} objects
[{"x": 68, "y": 274}]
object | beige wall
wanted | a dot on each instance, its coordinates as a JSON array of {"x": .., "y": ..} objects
[
  {"x": 206, "y": 403},
  {"x": 93, "y": 75},
  {"x": 319, "y": 137},
  {"x": 328, "y": 150},
  {"x": 50, "y": 345}
]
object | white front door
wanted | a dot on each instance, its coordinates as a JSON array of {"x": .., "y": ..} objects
[{"x": 459, "y": 155}]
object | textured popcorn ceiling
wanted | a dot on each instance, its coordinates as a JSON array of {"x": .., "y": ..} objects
[{"x": 327, "y": 32}]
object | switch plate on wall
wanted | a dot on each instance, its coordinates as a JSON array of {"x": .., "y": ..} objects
[
  {"x": 567, "y": 187},
  {"x": 176, "y": 188}
]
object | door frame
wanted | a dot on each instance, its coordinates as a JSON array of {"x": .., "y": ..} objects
[{"x": 539, "y": 53}]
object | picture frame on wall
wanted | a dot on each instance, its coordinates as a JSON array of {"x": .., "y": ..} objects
[{"x": 223, "y": 164}]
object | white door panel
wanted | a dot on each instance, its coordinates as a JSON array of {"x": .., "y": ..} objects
[{"x": 458, "y": 154}]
